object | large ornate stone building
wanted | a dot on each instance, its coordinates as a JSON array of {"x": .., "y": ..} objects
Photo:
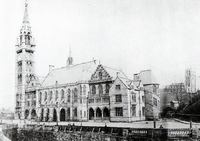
[{"x": 75, "y": 92}]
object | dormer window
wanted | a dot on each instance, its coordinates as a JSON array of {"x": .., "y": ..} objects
[
  {"x": 93, "y": 90},
  {"x": 117, "y": 87}
]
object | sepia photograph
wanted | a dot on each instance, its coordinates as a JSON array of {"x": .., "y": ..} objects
[{"x": 100, "y": 70}]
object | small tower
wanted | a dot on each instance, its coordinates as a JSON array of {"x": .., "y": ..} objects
[
  {"x": 24, "y": 64},
  {"x": 70, "y": 60}
]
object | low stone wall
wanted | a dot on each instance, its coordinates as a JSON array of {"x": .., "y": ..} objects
[{"x": 70, "y": 132}]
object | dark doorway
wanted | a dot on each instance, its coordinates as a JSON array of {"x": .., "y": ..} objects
[
  {"x": 62, "y": 115},
  {"x": 91, "y": 114},
  {"x": 54, "y": 115},
  {"x": 98, "y": 112},
  {"x": 47, "y": 115},
  {"x": 106, "y": 112},
  {"x": 42, "y": 112},
  {"x": 33, "y": 114},
  {"x": 26, "y": 114},
  {"x": 68, "y": 114}
]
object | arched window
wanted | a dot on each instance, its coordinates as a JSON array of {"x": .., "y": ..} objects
[
  {"x": 45, "y": 96},
  {"x": 75, "y": 93},
  {"x": 107, "y": 88},
  {"x": 84, "y": 90},
  {"x": 40, "y": 97},
  {"x": 68, "y": 98},
  {"x": 62, "y": 94},
  {"x": 100, "y": 89},
  {"x": 100, "y": 76},
  {"x": 50, "y": 97},
  {"x": 93, "y": 90},
  {"x": 56, "y": 95},
  {"x": 80, "y": 90}
]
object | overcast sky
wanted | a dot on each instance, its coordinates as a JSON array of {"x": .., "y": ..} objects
[{"x": 132, "y": 35}]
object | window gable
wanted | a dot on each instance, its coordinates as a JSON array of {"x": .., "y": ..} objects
[{"x": 117, "y": 87}]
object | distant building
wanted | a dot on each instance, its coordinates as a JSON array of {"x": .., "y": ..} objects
[
  {"x": 151, "y": 94},
  {"x": 173, "y": 92},
  {"x": 190, "y": 81},
  {"x": 174, "y": 104}
]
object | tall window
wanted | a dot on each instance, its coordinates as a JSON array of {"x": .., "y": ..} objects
[
  {"x": 69, "y": 92},
  {"x": 100, "y": 89},
  {"x": 45, "y": 96},
  {"x": 80, "y": 90},
  {"x": 34, "y": 103},
  {"x": 62, "y": 94},
  {"x": 50, "y": 96},
  {"x": 133, "y": 111},
  {"x": 119, "y": 111},
  {"x": 117, "y": 87},
  {"x": 81, "y": 113},
  {"x": 93, "y": 90},
  {"x": 118, "y": 98},
  {"x": 143, "y": 111},
  {"x": 40, "y": 97},
  {"x": 80, "y": 100},
  {"x": 84, "y": 90},
  {"x": 134, "y": 97},
  {"x": 107, "y": 88},
  {"x": 56, "y": 95},
  {"x": 155, "y": 101},
  {"x": 75, "y": 93},
  {"x": 100, "y": 76},
  {"x": 143, "y": 99}
]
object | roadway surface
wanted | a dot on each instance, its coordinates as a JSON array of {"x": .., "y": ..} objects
[{"x": 166, "y": 123}]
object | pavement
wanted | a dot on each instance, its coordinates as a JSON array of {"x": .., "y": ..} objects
[{"x": 166, "y": 123}]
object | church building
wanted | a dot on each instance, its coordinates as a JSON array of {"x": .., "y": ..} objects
[{"x": 76, "y": 92}]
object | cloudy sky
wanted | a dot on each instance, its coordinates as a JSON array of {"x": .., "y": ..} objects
[{"x": 132, "y": 35}]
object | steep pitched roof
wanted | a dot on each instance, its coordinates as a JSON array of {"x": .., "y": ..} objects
[
  {"x": 115, "y": 72},
  {"x": 25, "y": 18},
  {"x": 70, "y": 74}
]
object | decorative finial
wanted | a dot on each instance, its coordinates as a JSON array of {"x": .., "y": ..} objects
[
  {"x": 70, "y": 51},
  {"x": 25, "y": 19},
  {"x": 26, "y": 3}
]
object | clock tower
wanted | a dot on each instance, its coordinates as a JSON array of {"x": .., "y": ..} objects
[{"x": 24, "y": 64}]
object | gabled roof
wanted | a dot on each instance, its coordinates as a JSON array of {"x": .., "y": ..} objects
[
  {"x": 70, "y": 74},
  {"x": 126, "y": 81},
  {"x": 115, "y": 72}
]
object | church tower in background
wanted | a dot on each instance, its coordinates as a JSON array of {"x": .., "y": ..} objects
[
  {"x": 24, "y": 64},
  {"x": 190, "y": 81}
]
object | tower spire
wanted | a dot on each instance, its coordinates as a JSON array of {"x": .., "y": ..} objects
[
  {"x": 70, "y": 59},
  {"x": 25, "y": 18},
  {"x": 70, "y": 54}
]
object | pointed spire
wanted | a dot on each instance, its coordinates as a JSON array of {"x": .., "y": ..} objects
[
  {"x": 25, "y": 19},
  {"x": 70, "y": 59},
  {"x": 70, "y": 54}
]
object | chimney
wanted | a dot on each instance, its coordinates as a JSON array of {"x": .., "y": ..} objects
[
  {"x": 51, "y": 68},
  {"x": 136, "y": 77}
]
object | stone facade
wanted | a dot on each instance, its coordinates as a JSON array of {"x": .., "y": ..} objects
[
  {"x": 151, "y": 94},
  {"x": 78, "y": 92},
  {"x": 126, "y": 102},
  {"x": 152, "y": 108}
]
